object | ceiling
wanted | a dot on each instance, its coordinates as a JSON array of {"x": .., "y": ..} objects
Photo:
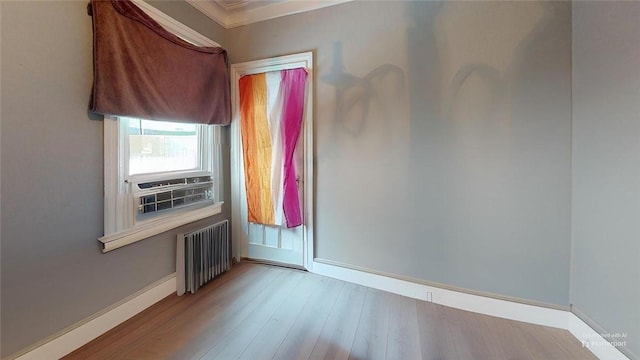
[{"x": 234, "y": 13}]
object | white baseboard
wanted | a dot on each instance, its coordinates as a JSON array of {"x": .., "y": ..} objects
[
  {"x": 479, "y": 304},
  {"x": 455, "y": 299},
  {"x": 83, "y": 332},
  {"x": 591, "y": 339}
]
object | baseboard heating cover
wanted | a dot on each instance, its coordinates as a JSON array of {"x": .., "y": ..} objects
[{"x": 202, "y": 255}]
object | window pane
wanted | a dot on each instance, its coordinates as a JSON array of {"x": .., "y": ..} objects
[{"x": 158, "y": 146}]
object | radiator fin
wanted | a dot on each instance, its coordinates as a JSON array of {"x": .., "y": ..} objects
[{"x": 202, "y": 255}]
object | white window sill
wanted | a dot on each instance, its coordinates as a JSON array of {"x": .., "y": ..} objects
[{"x": 146, "y": 230}]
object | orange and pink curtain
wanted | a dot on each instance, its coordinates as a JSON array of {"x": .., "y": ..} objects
[{"x": 271, "y": 113}]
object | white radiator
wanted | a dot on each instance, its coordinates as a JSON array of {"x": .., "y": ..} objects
[{"x": 202, "y": 255}]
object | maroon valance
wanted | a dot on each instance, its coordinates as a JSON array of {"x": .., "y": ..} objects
[{"x": 142, "y": 70}]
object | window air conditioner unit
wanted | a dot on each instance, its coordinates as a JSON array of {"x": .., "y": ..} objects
[{"x": 155, "y": 197}]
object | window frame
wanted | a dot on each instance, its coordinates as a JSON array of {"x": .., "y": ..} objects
[
  {"x": 120, "y": 227},
  {"x": 120, "y": 224}
]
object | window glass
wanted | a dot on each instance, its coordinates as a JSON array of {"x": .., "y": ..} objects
[{"x": 159, "y": 146}]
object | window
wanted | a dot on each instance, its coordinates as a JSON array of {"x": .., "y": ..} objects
[
  {"x": 159, "y": 146},
  {"x": 158, "y": 175},
  {"x": 167, "y": 165}
]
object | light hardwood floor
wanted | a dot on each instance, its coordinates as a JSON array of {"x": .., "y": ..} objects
[{"x": 265, "y": 312}]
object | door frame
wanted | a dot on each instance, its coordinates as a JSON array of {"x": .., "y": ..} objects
[{"x": 239, "y": 238}]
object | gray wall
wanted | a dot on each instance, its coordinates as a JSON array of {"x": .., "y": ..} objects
[
  {"x": 605, "y": 269},
  {"x": 442, "y": 138},
  {"x": 53, "y": 273}
]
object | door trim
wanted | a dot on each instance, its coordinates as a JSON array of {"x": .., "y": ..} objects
[{"x": 239, "y": 240}]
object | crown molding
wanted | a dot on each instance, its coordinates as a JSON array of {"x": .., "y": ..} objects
[
  {"x": 238, "y": 16},
  {"x": 233, "y": 4},
  {"x": 212, "y": 10},
  {"x": 174, "y": 26}
]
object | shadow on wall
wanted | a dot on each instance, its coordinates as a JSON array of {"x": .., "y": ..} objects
[
  {"x": 488, "y": 75},
  {"x": 443, "y": 134},
  {"x": 364, "y": 140},
  {"x": 477, "y": 125},
  {"x": 427, "y": 200},
  {"x": 355, "y": 94}
]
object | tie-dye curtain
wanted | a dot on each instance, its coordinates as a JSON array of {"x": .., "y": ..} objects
[{"x": 271, "y": 109}]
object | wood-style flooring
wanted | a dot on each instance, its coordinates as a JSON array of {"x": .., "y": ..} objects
[{"x": 265, "y": 312}]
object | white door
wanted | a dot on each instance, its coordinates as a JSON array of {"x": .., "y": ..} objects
[
  {"x": 278, "y": 243},
  {"x": 265, "y": 242}
]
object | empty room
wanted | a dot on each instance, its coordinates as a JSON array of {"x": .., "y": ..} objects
[{"x": 319, "y": 179}]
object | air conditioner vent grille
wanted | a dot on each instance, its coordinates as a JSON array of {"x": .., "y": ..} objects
[
  {"x": 173, "y": 182},
  {"x": 174, "y": 193}
]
